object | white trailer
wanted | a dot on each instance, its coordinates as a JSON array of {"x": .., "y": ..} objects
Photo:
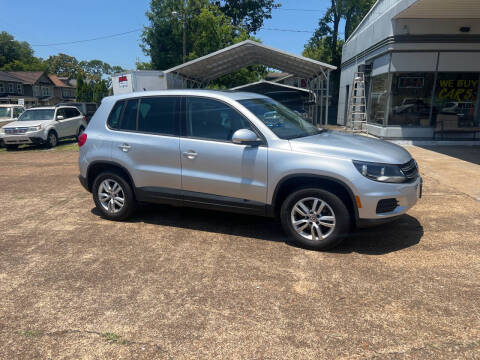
[{"x": 144, "y": 80}]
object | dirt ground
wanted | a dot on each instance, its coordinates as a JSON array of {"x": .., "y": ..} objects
[{"x": 184, "y": 283}]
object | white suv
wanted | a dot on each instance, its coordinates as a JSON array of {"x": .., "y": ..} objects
[{"x": 43, "y": 125}]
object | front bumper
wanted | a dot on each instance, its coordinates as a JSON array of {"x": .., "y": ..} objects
[
  {"x": 29, "y": 138},
  {"x": 406, "y": 195}
]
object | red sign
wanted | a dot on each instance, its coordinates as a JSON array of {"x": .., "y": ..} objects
[{"x": 122, "y": 78}]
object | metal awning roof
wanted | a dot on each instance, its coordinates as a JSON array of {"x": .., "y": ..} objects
[
  {"x": 264, "y": 84},
  {"x": 442, "y": 9},
  {"x": 246, "y": 53}
]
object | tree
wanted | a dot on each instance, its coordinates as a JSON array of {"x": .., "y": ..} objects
[
  {"x": 17, "y": 56},
  {"x": 326, "y": 43},
  {"x": 84, "y": 89},
  {"x": 100, "y": 90},
  {"x": 249, "y": 14},
  {"x": 209, "y": 27},
  {"x": 63, "y": 65}
]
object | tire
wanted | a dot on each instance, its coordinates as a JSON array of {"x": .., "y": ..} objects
[
  {"x": 52, "y": 139},
  {"x": 113, "y": 210},
  {"x": 11, "y": 147},
  {"x": 333, "y": 220},
  {"x": 81, "y": 129}
]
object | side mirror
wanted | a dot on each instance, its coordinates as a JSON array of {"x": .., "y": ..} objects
[
  {"x": 246, "y": 137},
  {"x": 60, "y": 117}
]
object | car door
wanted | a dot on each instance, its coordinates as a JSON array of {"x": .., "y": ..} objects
[
  {"x": 147, "y": 144},
  {"x": 214, "y": 169},
  {"x": 61, "y": 125},
  {"x": 73, "y": 121}
]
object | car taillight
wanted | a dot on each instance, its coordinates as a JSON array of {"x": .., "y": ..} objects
[
  {"x": 82, "y": 139},
  {"x": 87, "y": 119}
]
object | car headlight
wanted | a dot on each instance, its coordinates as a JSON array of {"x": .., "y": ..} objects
[
  {"x": 2, "y": 131},
  {"x": 34, "y": 128},
  {"x": 380, "y": 172}
]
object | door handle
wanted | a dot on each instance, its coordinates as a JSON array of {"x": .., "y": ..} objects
[
  {"x": 190, "y": 154},
  {"x": 125, "y": 147}
]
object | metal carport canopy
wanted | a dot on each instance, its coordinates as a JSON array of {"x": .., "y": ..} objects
[{"x": 246, "y": 53}]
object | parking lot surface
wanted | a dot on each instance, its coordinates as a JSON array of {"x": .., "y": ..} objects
[{"x": 185, "y": 283}]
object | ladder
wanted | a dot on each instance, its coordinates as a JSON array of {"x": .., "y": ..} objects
[{"x": 357, "y": 107}]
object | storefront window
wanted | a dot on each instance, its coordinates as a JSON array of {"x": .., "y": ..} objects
[
  {"x": 378, "y": 98},
  {"x": 411, "y": 98},
  {"x": 456, "y": 103}
]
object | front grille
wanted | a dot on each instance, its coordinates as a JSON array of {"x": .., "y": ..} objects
[
  {"x": 15, "y": 131},
  {"x": 386, "y": 205},
  {"x": 410, "y": 169}
]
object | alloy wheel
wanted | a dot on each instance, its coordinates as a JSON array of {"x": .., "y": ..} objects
[
  {"x": 111, "y": 196},
  {"x": 313, "y": 219}
]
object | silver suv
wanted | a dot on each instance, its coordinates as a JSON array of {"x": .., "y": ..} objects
[{"x": 242, "y": 152}]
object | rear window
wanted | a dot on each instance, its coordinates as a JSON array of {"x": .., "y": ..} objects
[
  {"x": 114, "y": 118},
  {"x": 156, "y": 115}
]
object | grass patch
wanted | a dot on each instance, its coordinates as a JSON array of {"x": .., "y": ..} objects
[
  {"x": 31, "y": 333},
  {"x": 114, "y": 338}
]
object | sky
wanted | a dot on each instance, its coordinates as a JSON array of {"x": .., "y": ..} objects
[{"x": 49, "y": 22}]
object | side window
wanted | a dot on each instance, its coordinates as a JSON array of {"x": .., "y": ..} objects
[
  {"x": 73, "y": 112},
  {"x": 212, "y": 119},
  {"x": 129, "y": 119},
  {"x": 158, "y": 115},
  {"x": 114, "y": 117},
  {"x": 61, "y": 112}
]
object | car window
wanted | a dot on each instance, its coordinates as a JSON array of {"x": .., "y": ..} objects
[
  {"x": 5, "y": 112},
  {"x": 73, "y": 112},
  {"x": 158, "y": 115},
  {"x": 114, "y": 117},
  {"x": 62, "y": 112},
  {"x": 129, "y": 119},
  {"x": 37, "y": 114},
  {"x": 213, "y": 120},
  {"x": 285, "y": 123}
]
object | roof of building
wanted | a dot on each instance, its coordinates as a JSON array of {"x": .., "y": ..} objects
[
  {"x": 246, "y": 53},
  {"x": 4, "y": 76},
  {"x": 60, "y": 81},
  {"x": 27, "y": 77}
]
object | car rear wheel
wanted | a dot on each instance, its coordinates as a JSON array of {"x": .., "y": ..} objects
[
  {"x": 315, "y": 218},
  {"x": 113, "y": 196}
]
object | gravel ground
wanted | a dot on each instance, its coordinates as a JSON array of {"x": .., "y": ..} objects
[{"x": 184, "y": 283}]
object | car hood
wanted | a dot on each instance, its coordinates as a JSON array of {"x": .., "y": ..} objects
[
  {"x": 27, "y": 123},
  {"x": 350, "y": 146}
]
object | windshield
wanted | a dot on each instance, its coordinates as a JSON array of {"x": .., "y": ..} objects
[
  {"x": 40, "y": 114},
  {"x": 285, "y": 123},
  {"x": 5, "y": 112}
]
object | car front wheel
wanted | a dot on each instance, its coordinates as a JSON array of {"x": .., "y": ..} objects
[
  {"x": 315, "y": 218},
  {"x": 52, "y": 139}
]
